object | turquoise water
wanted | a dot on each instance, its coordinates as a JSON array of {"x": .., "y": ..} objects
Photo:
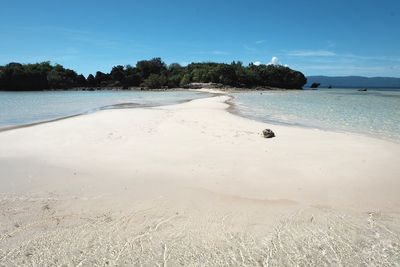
[
  {"x": 375, "y": 112},
  {"x": 19, "y": 108}
]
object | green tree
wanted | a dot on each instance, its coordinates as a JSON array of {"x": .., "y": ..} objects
[
  {"x": 150, "y": 73},
  {"x": 91, "y": 82},
  {"x": 186, "y": 79},
  {"x": 155, "y": 81},
  {"x": 118, "y": 74},
  {"x": 148, "y": 67}
]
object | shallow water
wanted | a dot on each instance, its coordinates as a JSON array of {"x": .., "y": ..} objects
[
  {"x": 375, "y": 112},
  {"x": 19, "y": 108}
]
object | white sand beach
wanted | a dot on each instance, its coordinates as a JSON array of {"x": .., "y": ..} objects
[{"x": 192, "y": 184}]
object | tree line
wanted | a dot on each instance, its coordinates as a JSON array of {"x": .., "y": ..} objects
[{"x": 151, "y": 74}]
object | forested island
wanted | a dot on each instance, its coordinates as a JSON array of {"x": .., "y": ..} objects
[{"x": 150, "y": 74}]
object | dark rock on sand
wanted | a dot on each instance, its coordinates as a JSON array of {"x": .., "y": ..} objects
[
  {"x": 267, "y": 133},
  {"x": 315, "y": 85}
]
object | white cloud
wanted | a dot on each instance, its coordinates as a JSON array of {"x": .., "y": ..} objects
[
  {"x": 274, "y": 61},
  {"x": 260, "y": 42}
]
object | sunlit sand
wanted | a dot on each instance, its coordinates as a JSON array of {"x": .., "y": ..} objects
[{"x": 192, "y": 184}]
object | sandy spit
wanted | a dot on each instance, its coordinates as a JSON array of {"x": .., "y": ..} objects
[{"x": 193, "y": 185}]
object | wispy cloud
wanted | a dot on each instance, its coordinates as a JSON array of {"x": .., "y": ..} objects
[
  {"x": 311, "y": 53},
  {"x": 218, "y": 52},
  {"x": 260, "y": 42},
  {"x": 329, "y": 61},
  {"x": 213, "y": 52},
  {"x": 330, "y": 44},
  {"x": 74, "y": 36},
  {"x": 372, "y": 58},
  {"x": 331, "y": 55},
  {"x": 340, "y": 69},
  {"x": 250, "y": 49},
  {"x": 46, "y": 29},
  {"x": 351, "y": 69}
]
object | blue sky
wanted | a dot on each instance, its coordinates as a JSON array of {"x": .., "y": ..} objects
[{"x": 317, "y": 37}]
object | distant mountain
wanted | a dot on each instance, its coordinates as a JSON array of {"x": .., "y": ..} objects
[{"x": 354, "y": 81}]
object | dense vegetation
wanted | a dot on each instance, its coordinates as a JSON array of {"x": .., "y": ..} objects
[{"x": 152, "y": 73}]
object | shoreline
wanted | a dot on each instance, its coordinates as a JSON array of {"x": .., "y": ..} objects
[
  {"x": 128, "y": 186},
  {"x": 227, "y": 101},
  {"x": 107, "y": 107},
  {"x": 331, "y": 128},
  {"x": 235, "y": 111},
  {"x": 216, "y": 92}
]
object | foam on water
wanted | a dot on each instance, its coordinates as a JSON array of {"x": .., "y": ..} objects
[{"x": 375, "y": 112}]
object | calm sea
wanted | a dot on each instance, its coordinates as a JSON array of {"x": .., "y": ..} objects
[
  {"x": 375, "y": 112},
  {"x": 19, "y": 108}
]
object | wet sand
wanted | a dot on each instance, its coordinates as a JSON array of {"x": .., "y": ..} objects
[{"x": 191, "y": 184}]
